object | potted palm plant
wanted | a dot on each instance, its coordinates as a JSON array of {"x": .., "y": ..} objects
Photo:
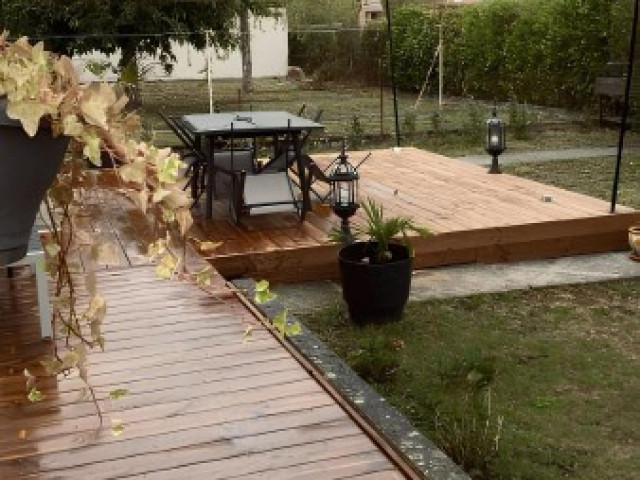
[
  {"x": 44, "y": 109},
  {"x": 376, "y": 272}
]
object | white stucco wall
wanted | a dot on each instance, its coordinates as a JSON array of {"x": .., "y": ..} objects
[{"x": 269, "y": 53}]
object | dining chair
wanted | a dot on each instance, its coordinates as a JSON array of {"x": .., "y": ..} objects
[{"x": 285, "y": 154}]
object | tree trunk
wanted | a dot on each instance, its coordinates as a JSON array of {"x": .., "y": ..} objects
[
  {"x": 129, "y": 78},
  {"x": 245, "y": 50}
]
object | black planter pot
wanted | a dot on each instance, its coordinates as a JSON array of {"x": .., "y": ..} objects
[
  {"x": 374, "y": 293},
  {"x": 27, "y": 168}
]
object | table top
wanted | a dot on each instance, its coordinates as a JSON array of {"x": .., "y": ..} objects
[{"x": 246, "y": 123}]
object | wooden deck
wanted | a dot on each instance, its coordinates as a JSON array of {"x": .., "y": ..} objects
[
  {"x": 477, "y": 217},
  {"x": 201, "y": 403}
]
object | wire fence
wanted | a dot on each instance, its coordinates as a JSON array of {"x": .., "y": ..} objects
[{"x": 344, "y": 72}]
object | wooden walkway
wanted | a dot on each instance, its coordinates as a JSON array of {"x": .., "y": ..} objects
[
  {"x": 478, "y": 218},
  {"x": 201, "y": 403}
]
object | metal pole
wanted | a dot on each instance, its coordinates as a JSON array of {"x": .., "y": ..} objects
[
  {"x": 209, "y": 77},
  {"x": 393, "y": 73},
  {"x": 381, "y": 98},
  {"x": 440, "y": 65},
  {"x": 625, "y": 110}
]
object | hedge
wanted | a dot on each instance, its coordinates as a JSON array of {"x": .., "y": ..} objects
[{"x": 546, "y": 52}]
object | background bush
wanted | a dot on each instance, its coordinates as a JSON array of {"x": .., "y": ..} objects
[{"x": 545, "y": 52}]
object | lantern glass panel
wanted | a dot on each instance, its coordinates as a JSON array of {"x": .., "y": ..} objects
[
  {"x": 344, "y": 185},
  {"x": 495, "y": 136}
]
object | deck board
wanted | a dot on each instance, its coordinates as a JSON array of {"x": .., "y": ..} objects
[
  {"x": 202, "y": 403},
  {"x": 477, "y": 218}
]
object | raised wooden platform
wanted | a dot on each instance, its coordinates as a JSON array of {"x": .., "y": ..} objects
[
  {"x": 477, "y": 218},
  {"x": 202, "y": 404}
]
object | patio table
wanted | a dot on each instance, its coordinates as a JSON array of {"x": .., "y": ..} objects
[{"x": 254, "y": 124}]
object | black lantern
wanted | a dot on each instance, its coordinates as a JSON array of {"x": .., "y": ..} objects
[
  {"x": 496, "y": 142},
  {"x": 343, "y": 181}
]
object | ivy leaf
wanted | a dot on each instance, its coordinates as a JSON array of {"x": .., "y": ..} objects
[
  {"x": 29, "y": 112},
  {"x": 203, "y": 276},
  {"x": 262, "y": 292},
  {"x": 169, "y": 168},
  {"x": 262, "y": 285},
  {"x": 71, "y": 126},
  {"x": 70, "y": 360},
  {"x": 52, "y": 249},
  {"x": 280, "y": 322},
  {"x": 95, "y": 103},
  {"x": 159, "y": 195},
  {"x": 246, "y": 335},
  {"x": 91, "y": 148},
  {"x": 284, "y": 327},
  {"x": 208, "y": 247},
  {"x": 292, "y": 329},
  {"x": 51, "y": 365},
  {"x": 167, "y": 266},
  {"x": 91, "y": 283},
  {"x": 105, "y": 253},
  {"x": 118, "y": 393},
  {"x": 116, "y": 427},
  {"x": 35, "y": 395},
  {"x": 185, "y": 220},
  {"x": 264, "y": 297},
  {"x": 133, "y": 172},
  {"x": 142, "y": 199}
]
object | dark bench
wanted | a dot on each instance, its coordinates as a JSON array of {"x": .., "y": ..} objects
[{"x": 609, "y": 87}]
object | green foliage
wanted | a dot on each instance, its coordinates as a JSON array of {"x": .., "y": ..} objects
[
  {"x": 409, "y": 123},
  {"x": 473, "y": 127},
  {"x": 415, "y": 39},
  {"x": 280, "y": 322},
  {"x": 262, "y": 292},
  {"x": 356, "y": 135},
  {"x": 118, "y": 393},
  {"x": 519, "y": 121},
  {"x": 284, "y": 327},
  {"x": 471, "y": 436},
  {"x": 302, "y": 13},
  {"x": 546, "y": 52},
  {"x": 376, "y": 359},
  {"x": 73, "y": 25},
  {"x": 465, "y": 425},
  {"x": 35, "y": 395},
  {"x": 339, "y": 54},
  {"x": 117, "y": 428},
  {"x": 541, "y": 51},
  {"x": 436, "y": 121}
]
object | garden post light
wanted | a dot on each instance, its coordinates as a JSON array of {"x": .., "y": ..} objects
[
  {"x": 343, "y": 181},
  {"x": 496, "y": 142}
]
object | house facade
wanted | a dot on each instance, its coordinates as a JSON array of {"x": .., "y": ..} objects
[
  {"x": 370, "y": 10},
  {"x": 269, "y": 55}
]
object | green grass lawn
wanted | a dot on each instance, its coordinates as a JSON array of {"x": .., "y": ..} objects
[
  {"x": 560, "y": 365},
  {"x": 455, "y": 128},
  {"x": 591, "y": 176}
]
